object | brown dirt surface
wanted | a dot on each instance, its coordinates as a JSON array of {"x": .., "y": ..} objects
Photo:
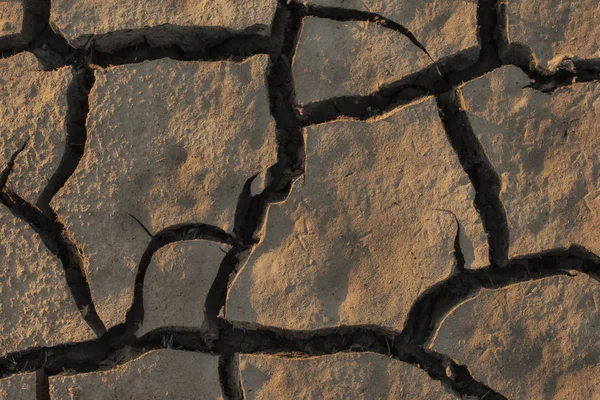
[{"x": 299, "y": 199}]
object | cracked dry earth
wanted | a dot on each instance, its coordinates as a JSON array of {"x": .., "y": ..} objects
[{"x": 335, "y": 199}]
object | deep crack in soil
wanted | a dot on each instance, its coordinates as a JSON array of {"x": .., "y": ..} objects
[{"x": 442, "y": 79}]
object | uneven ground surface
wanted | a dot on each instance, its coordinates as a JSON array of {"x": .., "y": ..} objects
[{"x": 334, "y": 199}]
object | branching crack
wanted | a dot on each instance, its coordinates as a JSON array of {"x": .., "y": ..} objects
[
  {"x": 78, "y": 109},
  {"x": 219, "y": 336},
  {"x": 482, "y": 175}
]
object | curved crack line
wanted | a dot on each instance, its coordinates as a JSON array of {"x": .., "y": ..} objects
[
  {"x": 217, "y": 294},
  {"x": 485, "y": 180},
  {"x": 444, "y": 296},
  {"x": 54, "y": 237},
  {"x": 50, "y": 48},
  {"x": 495, "y": 52},
  {"x": 295, "y": 128},
  {"x": 459, "y": 256},
  {"x": 173, "y": 234},
  {"x": 453, "y": 375},
  {"x": 406, "y": 345},
  {"x": 426, "y": 82},
  {"x": 251, "y": 210},
  {"x": 129, "y": 46},
  {"x": 78, "y": 109},
  {"x": 348, "y": 14}
]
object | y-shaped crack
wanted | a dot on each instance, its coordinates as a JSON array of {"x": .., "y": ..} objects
[
  {"x": 54, "y": 236},
  {"x": 54, "y": 51},
  {"x": 251, "y": 210},
  {"x": 78, "y": 109},
  {"x": 482, "y": 175}
]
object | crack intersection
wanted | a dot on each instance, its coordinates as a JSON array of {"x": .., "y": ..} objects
[{"x": 219, "y": 336}]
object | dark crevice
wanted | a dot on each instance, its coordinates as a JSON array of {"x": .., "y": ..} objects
[
  {"x": 459, "y": 257},
  {"x": 42, "y": 385},
  {"x": 439, "y": 299},
  {"x": 56, "y": 240},
  {"x": 282, "y": 96},
  {"x": 348, "y": 14},
  {"x": 229, "y": 377},
  {"x": 5, "y": 174},
  {"x": 484, "y": 178},
  {"x": 51, "y": 49},
  {"x": 456, "y": 69},
  {"x": 173, "y": 234},
  {"x": 81, "y": 357},
  {"x": 95, "y": 355},
  {"x": 251, "y": 210},
  {"x": 219, "y": 336},
  {"x": 48, "y": 46},
  {"x": 501, "y": 33},
  {"x": 11, "y": 45},
  {"x": 185, "y": 43},
  {"x": 389, "y": 97},
  {"x": 567, "y": 73},
  {"x": 17, "y": 42},
  {"x": 490, "y": 26},
  {"x": 78, "y": 109},
  {"x": 456, "y": 377},
  {"x": 217, "y": 294},
  {"x": 407, "y": 345}
]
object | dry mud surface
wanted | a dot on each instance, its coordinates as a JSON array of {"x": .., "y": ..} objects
[{"x": 335, "y": 199}]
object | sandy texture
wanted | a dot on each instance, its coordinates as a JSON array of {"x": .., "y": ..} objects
[
  {"x": 18, "y": 387},
  {"x": 74, "y": 18},
  {"x": 11, "y": 17},
  {"x": 361, "y": 235},
  {"x": 157, "y": 375},
  {"x": 556, "y": 29},
  {"x": 177, "y": 283},
  {"x": 534, "y": 340},
  {"x": 33, "y": 104},
  {"x": 170, "y": 143},
  {"x": 36, "y": 307},
  {"x": 546, "y": 151},
  {"x": 341, "y": 376},
  {"x": 343, "y": 58}
]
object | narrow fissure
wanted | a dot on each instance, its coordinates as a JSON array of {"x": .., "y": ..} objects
[
  {"x": 251, "y": 210},
  {"x": 42, "y": 385},
  {"x": 484, "y": 178},
  {"x": 219, "y": 336},
  {"x": 78, "y": 109},
  {"x": 229, "y": 377}
]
